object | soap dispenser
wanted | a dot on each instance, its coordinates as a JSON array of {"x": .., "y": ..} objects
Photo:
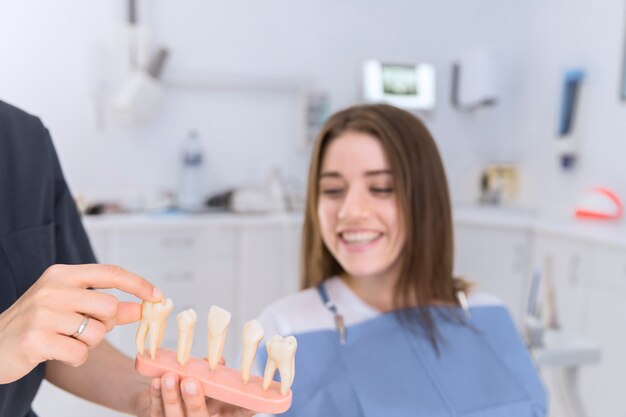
[{"x": 190, "y": 192}]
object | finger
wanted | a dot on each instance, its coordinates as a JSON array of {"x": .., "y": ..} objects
[
  {"x": 193, "y": 397},
  {"x": 109, "y": 310},
  {"x": 104, "y": 307},
  {"x": 156, "y": 402},
  {"x": 93, "y": 332},
  {"x": 128, "y": 312},
  {"x": 65, "y": 349},
  {"x": 170, "y": 393},
  {"x": 67, "y": 325},
  {"x": 108, "y": 276}
]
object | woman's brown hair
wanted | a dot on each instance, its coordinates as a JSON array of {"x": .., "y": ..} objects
[{"x": 423, "y": 203}]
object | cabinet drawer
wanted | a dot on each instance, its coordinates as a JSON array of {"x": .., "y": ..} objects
[
  {"x": 496, "y": 259},
  {"x": 190, "y": 279},
  {"x": 173, "y": 246},
  {"x": 600, "y": 384},
  {"x": 609, "y": 266},
  {"x": 158, "y": 246},
  {"x": 565, "y": 264}
]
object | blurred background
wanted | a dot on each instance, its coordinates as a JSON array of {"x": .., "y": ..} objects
[{"x": 184, "y": 130}]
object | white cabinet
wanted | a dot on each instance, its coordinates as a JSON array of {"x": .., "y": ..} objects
[
  {"x": 496, "y": 259},
  {"x": 564, "y": 264},
  {"x": 267, "y": 266},
  {"x": 609, "y": 266},
  {"x": 605, "y": 322},
  {"x": 194, "y": 266}
]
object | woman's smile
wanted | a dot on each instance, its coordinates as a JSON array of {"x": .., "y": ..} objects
[{"x": 359, "y": 240}]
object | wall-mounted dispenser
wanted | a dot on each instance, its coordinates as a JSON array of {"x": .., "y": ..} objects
[
  {"x": 475, "y": 80},
  {"x": 139, "y": 97},
  {"x": 567, "y": 143}
]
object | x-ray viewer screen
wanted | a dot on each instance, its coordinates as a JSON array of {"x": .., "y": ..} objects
[{"x": 399, "y": 80}]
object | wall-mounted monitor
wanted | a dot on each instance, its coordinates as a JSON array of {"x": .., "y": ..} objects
[{"x": 406, "y": 86}]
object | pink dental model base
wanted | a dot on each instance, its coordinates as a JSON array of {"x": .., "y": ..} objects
[{"x": 223, "y": 384}]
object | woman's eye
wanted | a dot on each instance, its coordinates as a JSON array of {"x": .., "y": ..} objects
[
  {"x": 332, "y": 191},
  {"x": 381, "y": 190}
]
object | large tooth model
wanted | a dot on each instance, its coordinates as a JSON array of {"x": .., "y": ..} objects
[
  {"x": 186, "y": 324},
  {"x": 252, "y": 335},
  {"x": 153, "y": 320},
  {"x": 219, "y": 320},
  {"x": 280, "y": 354},
  {"x": 252, "y": 392}
]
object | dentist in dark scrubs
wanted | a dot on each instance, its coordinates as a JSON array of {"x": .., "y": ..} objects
[{"x": 52, "y": 323}]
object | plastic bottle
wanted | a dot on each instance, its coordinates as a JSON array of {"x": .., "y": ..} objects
[{"x": 190, "y": 192}]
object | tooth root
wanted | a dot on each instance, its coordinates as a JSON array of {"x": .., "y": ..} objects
[
  {"x": 218, "y": 320},
  {"x": 252, "y": 335},
  {"x": 280, "y": 354},
  {"x": 286, "y": 377},
  {"x": 142, "y": 331},
  {"x": 161, "y": 330},
  {"x": 155, "y": 330},
  {"x": 186, "y": 324},
  {"x": 153, "y": 321},
  {"x": 140, "y": 339},
  {"x": 270, "y": 370}
]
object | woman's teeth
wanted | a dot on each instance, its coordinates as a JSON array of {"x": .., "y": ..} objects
[{"x": 359, "y": 237}]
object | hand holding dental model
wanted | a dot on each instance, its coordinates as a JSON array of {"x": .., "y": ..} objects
[
  {"x": 218, "y": 382},
  {"x": 60, "y": 318}
]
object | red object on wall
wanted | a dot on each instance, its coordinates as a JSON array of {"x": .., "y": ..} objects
[{"x": 600, "y": 203}]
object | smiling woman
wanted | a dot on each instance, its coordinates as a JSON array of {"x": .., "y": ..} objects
[
  {"x": 381, "y": 325},
  {"x": 397, "y": 158},
  {"x": 358, "y": 216}
]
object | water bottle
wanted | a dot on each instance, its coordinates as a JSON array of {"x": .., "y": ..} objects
[{"x": 190, "y": 192}]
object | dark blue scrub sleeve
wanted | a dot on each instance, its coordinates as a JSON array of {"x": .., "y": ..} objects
[{"x": 39, "y": 226}]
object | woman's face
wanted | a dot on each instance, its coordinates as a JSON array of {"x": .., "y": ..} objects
[{"x": 357, "y": 208}]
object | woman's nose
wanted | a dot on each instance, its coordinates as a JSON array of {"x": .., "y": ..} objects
[{"x": 354, "y": 206}]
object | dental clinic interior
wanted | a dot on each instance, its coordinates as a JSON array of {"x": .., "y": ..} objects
[{"x": 185, "y": 129}]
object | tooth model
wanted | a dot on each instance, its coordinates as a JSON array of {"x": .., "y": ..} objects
[
  {"x": 186, "y": 324},
  {"x": 280, "y": 354},
  {"x": 218, "y": 319},
  {"x": 252, "y": 335},
  {"x": 153, "y": 320},
  {"x": 231, "y": 386}
]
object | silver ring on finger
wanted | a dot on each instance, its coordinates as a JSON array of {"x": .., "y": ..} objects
[{"x": 82, "y": 327}]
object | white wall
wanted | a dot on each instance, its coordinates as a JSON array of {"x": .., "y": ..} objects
[
  {"x": 52, "y": 57},
  {"x": 561, "y": 35},
  {"x": 48, "y": 49}
]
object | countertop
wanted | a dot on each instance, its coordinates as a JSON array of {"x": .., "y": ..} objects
[{"x": 609, "y": 232}]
